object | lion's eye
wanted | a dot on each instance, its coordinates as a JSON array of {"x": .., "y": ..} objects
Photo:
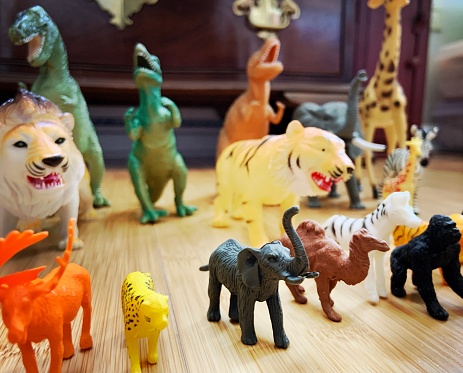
[
  {"x": 60, "y": 140},
  {"x": 20, "y": 144}
]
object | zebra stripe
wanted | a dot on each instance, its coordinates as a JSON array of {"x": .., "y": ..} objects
[{"x": 342, "y": 227}]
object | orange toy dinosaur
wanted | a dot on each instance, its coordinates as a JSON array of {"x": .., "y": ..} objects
[
  {"x": 35, "y": 309},
  {"x": 249, "y": 115}
]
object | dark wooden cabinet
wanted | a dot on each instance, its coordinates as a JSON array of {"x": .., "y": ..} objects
[{"x": 204, "y": 47}]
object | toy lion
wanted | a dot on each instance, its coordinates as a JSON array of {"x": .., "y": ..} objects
[{"x": 41, "y": 166}]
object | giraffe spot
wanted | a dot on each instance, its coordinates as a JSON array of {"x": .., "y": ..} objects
[
  {"x": 386, "y": 54},
  {"x": 391, "y": 67},
  {"x": 373, "y": 104},
  {"x": 389, "y": 30},
  {"x": 386, "y": 94},
  {"x": 388, "y": 81},
  {"x": 381, "y": 66},
  {"x": 360, "y": 111},
  {"x": 384, "y": 108},
  {"x": 388, "y": 15},
  {"x": 376, "y": 84},
  {"x": 397, "y": 103}
]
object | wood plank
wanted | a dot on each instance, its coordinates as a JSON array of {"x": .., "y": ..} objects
[{"x": 395, "y": 335}]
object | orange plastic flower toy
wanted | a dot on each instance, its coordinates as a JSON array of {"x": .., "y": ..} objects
[{"x": 35, "y": 309}]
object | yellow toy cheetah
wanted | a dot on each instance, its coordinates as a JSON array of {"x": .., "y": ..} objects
[{"x": 145, "y": 315}]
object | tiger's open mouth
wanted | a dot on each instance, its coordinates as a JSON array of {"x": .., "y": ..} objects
[
  {"x": 52, "y": 180},
  {"x": 324, "y": 182}
]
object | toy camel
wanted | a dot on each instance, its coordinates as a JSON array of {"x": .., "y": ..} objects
[
  {"x": 145, "y": 315},
  {"x": 36, "y": 309},
  {"x": 249, "y": 115},
  {"x": 332, "y": 263},
  {"x": 394, "y": 210},
  {"x": 383, "y": 102}
]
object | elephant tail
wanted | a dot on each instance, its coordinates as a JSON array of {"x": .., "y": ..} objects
[{"x": 204, "y": 268}]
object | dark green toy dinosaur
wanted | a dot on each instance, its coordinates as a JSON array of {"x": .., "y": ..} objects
[
  {"x": 154, "y": 158},
  {"x": 35, "y": 28}
]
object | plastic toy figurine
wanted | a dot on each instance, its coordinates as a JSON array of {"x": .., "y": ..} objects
[
  {"x": 253, "y": 275},
  {"x": 267, "y": 16},
  {"x": 436, "y": 247},
  {"x": 47, "y": 51},
  {"x": 38, "y": 309},
  {"x": 394, "y": 210},
  {"x": 405, "y": 180},
  {"x": 340, "y": 118},
  {"x": 277, "y": 170},
  {"x": 121, "y": 10},
  {"x": 330, "y": 260},
  {"x": 145, "y": 315},
  {"x": 396, "y": 161},
  {"x": 383, "y": 102},
  {"x": 403, "y": 234},
  {"x": 249, "y": 115},
  {"x": 154, "y": 159},
  {"x": 41, "y": 167}
]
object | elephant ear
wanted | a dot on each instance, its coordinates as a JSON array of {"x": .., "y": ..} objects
[{"x": 248, "y": 268}]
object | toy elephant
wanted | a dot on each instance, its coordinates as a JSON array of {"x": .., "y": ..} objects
[
  {"x": 252, "y": 275},
  {"x": 342, "y": 119}
]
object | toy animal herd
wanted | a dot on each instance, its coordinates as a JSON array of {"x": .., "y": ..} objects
[{"x": 49, "y": 143}]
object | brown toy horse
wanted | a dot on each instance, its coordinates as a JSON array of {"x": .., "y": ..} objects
[
  {"x": 333, "y": 264},
  {"x": 35, "y": 309}
]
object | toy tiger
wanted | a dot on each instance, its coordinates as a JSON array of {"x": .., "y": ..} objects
[
  {"x": 40, "y": 165},
  {"x": 394, "y": 210},
  {"x": 402, "y": 234},
  {"x": 277, "y": 170},
  {"x": 145, "y": 315}
]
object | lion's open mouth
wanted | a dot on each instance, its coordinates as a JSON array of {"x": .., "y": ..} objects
[
  {"x": 323, "y": 182},
  {"x": 50, "y": 181}
]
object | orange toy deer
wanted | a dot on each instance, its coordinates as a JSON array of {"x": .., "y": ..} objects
[{"x": 35, "y": 309}]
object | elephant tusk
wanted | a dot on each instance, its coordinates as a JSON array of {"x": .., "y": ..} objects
[
  {"x": 311, "y": 275},
  {"x": 366, "y": 145}
]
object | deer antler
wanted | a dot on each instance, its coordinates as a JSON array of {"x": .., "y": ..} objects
[
  {"x": 40, "y": 286},
  {"x": 16, "y": 241}
]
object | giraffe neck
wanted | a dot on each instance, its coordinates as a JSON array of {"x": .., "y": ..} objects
[
  {"x": 409, "y": 170},
  {"x": 389, "y": 56}
]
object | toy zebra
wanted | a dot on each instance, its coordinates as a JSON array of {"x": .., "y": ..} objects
[
  {"x": 394, "y": 210},
  {"x": 145, "y": 315},
  {"x": 396, "y": 161}
]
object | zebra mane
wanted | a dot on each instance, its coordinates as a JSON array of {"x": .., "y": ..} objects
[{"x": 380, "y": 211}]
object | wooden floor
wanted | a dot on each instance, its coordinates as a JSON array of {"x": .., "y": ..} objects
[{"x": 397, "y": 335}]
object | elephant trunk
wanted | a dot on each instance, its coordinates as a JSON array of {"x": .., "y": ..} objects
[
  {"x": 300, "y": 262},
  {"x": 352, "y": 107}
]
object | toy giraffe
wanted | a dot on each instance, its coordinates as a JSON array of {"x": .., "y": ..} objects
[
  {"x": 383, "y": 102},
  {"x": 405, "y": 180}
]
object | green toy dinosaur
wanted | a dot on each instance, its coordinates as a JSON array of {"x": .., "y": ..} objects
[
  {"x": 154, "y": 158},
  {"x": 34, "y": 27}
]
